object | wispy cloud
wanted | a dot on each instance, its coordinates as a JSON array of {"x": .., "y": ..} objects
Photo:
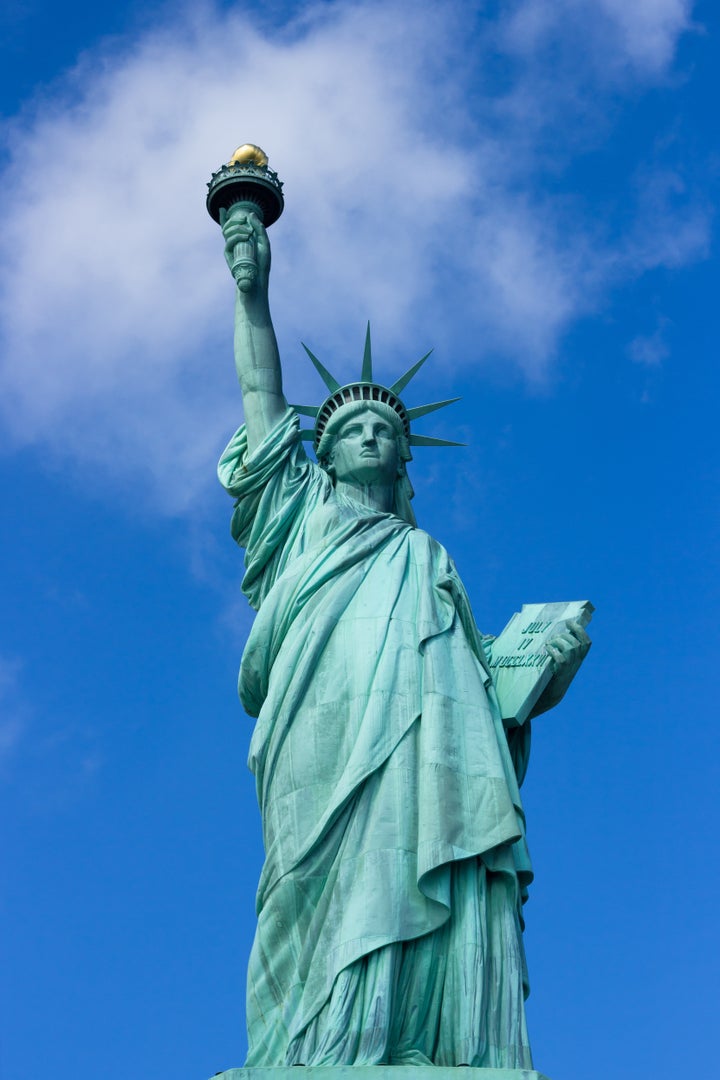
[
  {"x": 50, "y": 755},
  {"x": 650, "y": 349},
  {"x": 13, "y": 710},
  {"x": 617, "y": 39},
  {"x": 415, "y": 191}
]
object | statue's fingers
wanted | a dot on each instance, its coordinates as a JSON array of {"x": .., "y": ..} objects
[
  {"x": 236, "y": 236},
  {"x": 233, "y": 225},
  {"x": 555, "y": 655},
  {"x": 261, "y": 236},
  {"x": 257, "y": 225},
  {"x": 235, "y": 231},
  {"x": 235, "y": 215},
  {"x": 230, "y": 232},
  {"x": 580, "y": 633},
  {"x": 564, "y": 642}
]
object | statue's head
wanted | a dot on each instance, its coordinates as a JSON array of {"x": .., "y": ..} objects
[
  {"x": 365, "y": 443},
  {"x": 364, "y": 412}
]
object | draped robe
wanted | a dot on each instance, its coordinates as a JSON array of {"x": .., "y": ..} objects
[{"x": 389, "y": 905}]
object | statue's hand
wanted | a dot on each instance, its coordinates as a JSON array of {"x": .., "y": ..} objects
[
  {"x": 567, "y": 651},
  {"x": 242, "y": 228}
]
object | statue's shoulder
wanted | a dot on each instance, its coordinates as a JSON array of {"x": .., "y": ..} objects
[{"x": 427, "y": 550}]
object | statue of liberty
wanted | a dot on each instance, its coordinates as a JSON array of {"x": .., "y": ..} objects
[{"x": 390, "y": 902}]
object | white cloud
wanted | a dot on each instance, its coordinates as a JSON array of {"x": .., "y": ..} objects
[
  {"x": 648, "y": 30},
  {"x": 607, "y": 37},
  {"x": 410, "y": 199},
  {"x": 670, "y": 223}
]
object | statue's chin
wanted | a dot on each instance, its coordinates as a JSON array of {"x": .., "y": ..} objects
[{"x": 368, "y": 475}]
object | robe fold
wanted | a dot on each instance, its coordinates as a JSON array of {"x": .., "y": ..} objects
[{"x": 390, "y": 804}]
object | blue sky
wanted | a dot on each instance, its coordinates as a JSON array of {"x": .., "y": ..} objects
[{"x": 527, "y": 186}]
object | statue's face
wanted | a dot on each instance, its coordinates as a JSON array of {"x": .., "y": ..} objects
[{"x": 366, "y": 450}]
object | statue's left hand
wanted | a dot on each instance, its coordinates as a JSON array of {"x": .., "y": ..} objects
[{"x": 567, "y": 651}]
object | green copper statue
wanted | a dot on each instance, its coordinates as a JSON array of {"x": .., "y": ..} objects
[{"x": 390, "y": 903}]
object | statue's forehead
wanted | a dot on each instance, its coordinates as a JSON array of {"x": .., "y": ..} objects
[{"x": 362, "y": 413}]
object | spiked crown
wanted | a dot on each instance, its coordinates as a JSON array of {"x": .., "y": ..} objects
[{"x": 371, "y": 392}]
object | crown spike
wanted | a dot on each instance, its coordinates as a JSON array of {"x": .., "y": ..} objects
[
  {"x": 423, "y": 410},
  {"x": 399, "y": 386},
  {"x": 331, "y": 383},
  {"x": 307, "y": 434},
  {"x": 367, "y": 374},
  {"x": 306, "y": 410},
  {"x": 428, "y": 440}
]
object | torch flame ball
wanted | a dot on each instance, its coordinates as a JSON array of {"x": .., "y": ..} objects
[{"x": 249, "y": 154}]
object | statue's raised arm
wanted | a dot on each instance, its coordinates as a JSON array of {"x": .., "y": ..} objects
[{"x": 256, "y": 353}]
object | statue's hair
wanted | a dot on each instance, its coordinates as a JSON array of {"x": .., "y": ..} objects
[{"x": 403, "y": 492}]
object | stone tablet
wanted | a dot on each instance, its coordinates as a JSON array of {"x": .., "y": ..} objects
[{"x": 520, "y": 665}]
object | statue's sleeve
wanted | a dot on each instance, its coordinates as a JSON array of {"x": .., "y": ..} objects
[{"x": 274, "y": 488}]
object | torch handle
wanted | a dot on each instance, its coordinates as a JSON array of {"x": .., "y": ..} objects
[{"x": 244, "y": 265}]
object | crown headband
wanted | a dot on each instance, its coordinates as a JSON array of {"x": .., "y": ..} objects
[{"x": 368, "y": 390}]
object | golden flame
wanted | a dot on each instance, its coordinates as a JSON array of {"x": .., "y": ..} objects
[{"x": 248, "y": 154}]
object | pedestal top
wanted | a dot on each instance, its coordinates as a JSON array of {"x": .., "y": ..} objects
[{"x": 378, "y": 1072}]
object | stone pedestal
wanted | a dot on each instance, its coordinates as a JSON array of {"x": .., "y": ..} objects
[{"x": 378, "y": 1072}]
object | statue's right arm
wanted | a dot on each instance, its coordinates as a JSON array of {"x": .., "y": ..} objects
[{"x": 256, "y": 353}]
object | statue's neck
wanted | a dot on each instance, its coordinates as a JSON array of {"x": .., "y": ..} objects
[{"x": 375, "y": 496}]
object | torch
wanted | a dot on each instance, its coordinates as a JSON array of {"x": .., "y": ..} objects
[{"x": 245, "y": 185}]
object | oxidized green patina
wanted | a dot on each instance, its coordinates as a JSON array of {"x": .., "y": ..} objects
[{"x": 390, "y": 903}]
